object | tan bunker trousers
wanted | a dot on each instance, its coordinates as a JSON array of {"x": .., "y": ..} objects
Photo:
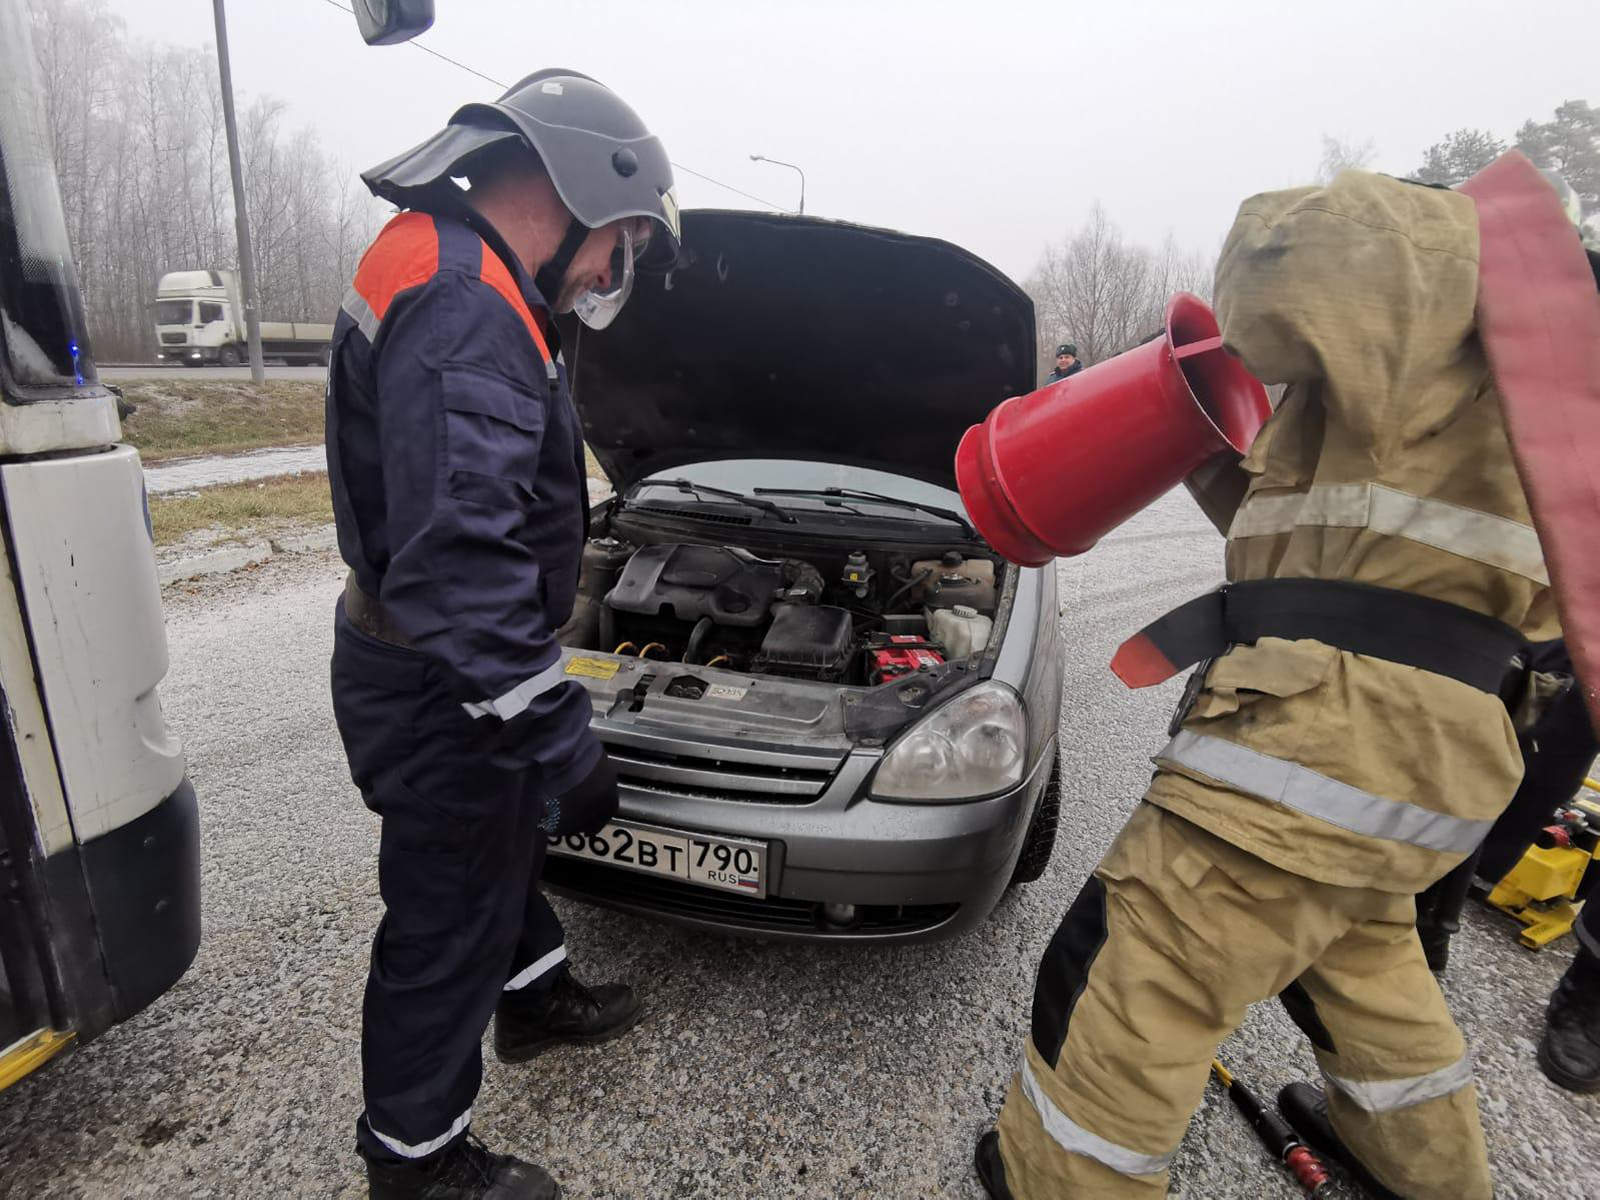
[{"x": 1175, "y": 935}]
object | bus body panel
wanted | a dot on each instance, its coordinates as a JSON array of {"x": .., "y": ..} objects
[{"x": 94, "y": 612}]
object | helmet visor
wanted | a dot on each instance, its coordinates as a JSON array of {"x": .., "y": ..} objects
[{"x": 598, "y": 307}]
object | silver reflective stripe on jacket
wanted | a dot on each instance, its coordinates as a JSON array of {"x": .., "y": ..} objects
[
  {"x": 1483, "y": 537},
  {"x": 516, "y": 701},
  {"x": 1391, "y": 1094},
  {"x": 361, "y": 313},
  {"x": 1075, "y": 1139},
  {"x": 1300, "y": 788}
]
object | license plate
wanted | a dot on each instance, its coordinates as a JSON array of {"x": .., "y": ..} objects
[{"x": 728, "y": 864}]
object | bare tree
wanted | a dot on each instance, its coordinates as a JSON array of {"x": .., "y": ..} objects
[
  {"x": 1103, "y": 294},
  {"x": 1344, "y": 154},
  {"x": 144, "y": 179}
]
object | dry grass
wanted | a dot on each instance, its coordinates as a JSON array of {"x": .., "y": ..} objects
[
  {"x": 255, "y": 507},
  {"x": 181, "y": 417}
]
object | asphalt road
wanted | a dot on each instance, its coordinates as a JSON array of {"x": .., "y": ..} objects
[
  {"x": 153, "y": 371},
  {"x": 761, "y": 1071}
]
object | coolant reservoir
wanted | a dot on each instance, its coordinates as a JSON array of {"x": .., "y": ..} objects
[
  {"x": 961, "y": 630},
  {"x": 952, "y": 580}
]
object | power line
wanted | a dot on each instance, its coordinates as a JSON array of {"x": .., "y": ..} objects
[
  {"x": 748, "y": 196},
  {"x": 502, "y": 86},
  {"x": 430, "y": 50}
]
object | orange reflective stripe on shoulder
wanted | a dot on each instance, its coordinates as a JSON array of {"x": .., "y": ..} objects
[
  {"x": 498, "y": 276},
  {"x": 405, "y": 254}
]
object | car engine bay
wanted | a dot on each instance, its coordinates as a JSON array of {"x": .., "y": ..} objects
[{"x": 856, "y": 616}]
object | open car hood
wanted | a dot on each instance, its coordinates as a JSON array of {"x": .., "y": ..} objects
[{"x": 794, "y": 337}]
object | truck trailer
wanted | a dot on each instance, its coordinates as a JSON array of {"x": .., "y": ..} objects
[{"x": 200, "y": 320}]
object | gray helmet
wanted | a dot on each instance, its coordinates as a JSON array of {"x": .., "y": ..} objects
[{"x": 605, "y": 164}]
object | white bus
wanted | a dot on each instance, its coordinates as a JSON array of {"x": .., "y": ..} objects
[{"x": 99, "y": 828}]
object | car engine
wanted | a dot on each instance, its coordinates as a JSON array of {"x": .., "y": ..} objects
[{"x": 863, "y": 619}]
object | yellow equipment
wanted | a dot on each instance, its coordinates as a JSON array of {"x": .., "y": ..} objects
[{"x": 1541, "y": 890}]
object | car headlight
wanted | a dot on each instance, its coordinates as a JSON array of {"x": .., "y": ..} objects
[{"x": 971, "y": 746}]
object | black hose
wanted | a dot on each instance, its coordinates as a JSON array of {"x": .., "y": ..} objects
[
  {"x": 697, "y": 639},
  {"x": 889, "y": 603}
]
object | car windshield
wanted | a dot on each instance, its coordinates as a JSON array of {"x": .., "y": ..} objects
[
  {"x": 173, "y": 312},
  {"x": 41, "y": 313},
  {"x": 747, "y": 474}
]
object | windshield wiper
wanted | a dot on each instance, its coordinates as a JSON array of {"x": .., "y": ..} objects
[
  {"x": 688, "y": 485},
  {"x": 877, "y": 497}
]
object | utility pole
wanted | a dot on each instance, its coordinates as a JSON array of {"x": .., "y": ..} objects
[{"x": 241, "y": 219}]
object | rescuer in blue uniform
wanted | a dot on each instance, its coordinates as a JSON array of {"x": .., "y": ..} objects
[{"x": 457, "y": 467}]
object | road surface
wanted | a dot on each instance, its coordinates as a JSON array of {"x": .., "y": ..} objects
[
  {"x": 760, "y": 1070},
  {"x": 154, "y": 371}
]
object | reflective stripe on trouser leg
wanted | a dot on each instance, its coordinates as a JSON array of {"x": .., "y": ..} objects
[
  {"x": 458, "y": 847},
  {"x": 537, "y": 970},
  {"x": 1196, "y": 931},
  {"x": 1399, "y": 1081},
  {"x": 423, "y": 1149},
  {"x": 541, "y": 945}
]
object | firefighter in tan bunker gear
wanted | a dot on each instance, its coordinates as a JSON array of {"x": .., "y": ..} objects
[{"x": 1289, "y": 822}]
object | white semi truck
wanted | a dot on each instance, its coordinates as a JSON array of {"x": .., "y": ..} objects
[{"x": 200, "y": 319}]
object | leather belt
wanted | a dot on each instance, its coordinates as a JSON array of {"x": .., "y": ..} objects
[{"x": 370, "y": 617}]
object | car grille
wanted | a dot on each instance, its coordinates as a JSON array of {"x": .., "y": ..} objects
[
  {"x": 174, "y": 339},
  {"x": 669, "y": 898},
  {"x": 667, "y": 774}
]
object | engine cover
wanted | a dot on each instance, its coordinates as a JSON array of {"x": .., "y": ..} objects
[{"x": 732, "y": 587}]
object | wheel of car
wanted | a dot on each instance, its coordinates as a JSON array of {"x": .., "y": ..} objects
[
  {"x": 1041, "y": 839},
  {"x": 228, "y": 356}
]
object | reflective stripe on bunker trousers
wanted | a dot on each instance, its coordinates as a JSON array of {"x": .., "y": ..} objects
[
  {"x": 1075, "y": 1139},
  {"x": 1199, "y": 930},
  {"x": 1294, "y": 786},
  {"x": 1482, "y": 537}
]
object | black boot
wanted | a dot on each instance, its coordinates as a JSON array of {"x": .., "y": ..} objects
[
  {"x": 991, "y": 1167},
  {"x": 528, "y": 1022},
  {"x": 1306, "y": 1109},
  {"x": 1569, "y": 1053},
  {"x": 1439, "y": 912},
  {"x": 466, "y": 1171}
]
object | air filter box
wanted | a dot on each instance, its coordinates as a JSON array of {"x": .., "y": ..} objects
[{"x": 807, "y": 642}]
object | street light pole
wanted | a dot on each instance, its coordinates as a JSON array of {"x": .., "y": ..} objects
[
  {"x": 778, "y": 162},
  {"x": 241, "y": 219}
]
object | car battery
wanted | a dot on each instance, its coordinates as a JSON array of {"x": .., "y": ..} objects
[{"x": 902, "y": 654}]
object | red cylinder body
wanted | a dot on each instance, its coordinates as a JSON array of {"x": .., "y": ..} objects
[{"x": 1050, "y": 473}]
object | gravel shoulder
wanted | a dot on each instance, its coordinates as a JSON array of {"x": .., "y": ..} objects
[{"x": 762, "y": 1070}]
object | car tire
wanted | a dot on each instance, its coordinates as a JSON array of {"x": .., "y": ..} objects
[
  {"x": 228, "y": 356},
  {"x": 1041, "y": 840}
]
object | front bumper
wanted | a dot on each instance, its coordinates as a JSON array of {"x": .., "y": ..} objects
[
  {"x": 914, "y": 872},
  {"x": 187, "y": 354}
]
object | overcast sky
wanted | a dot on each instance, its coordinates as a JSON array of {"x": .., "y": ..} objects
[{"x": 994, "y": 124}]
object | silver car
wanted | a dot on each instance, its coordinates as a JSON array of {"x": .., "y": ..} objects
[{"x": 832, "y": 706}]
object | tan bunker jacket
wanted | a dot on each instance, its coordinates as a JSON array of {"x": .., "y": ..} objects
[{"x": 1385, "y": 464}]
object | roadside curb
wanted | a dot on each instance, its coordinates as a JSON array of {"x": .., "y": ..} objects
[{"x": 250, "y": 554}]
